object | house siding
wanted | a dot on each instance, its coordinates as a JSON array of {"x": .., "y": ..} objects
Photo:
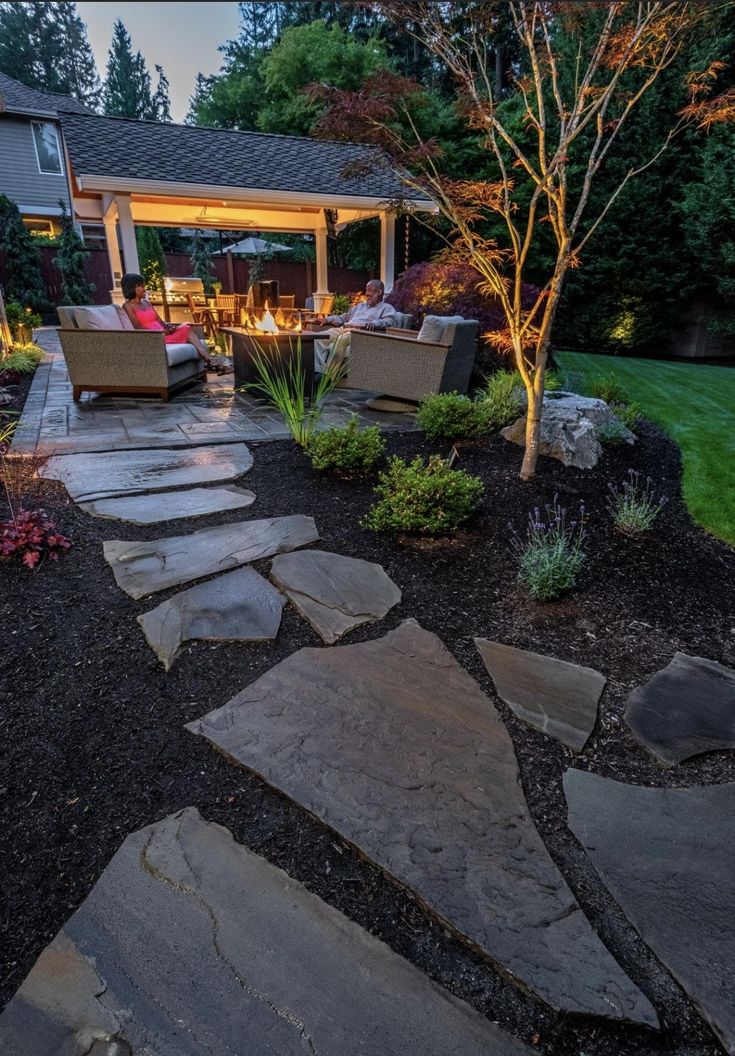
[{"x": 20, "y": 179}]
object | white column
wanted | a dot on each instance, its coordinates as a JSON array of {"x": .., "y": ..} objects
[
  {"x": 127, "y": 234},
  {"x": 113, "y": 252},
  {"x": 322, "y": 276},
  {"x": 387, "y": 249}
]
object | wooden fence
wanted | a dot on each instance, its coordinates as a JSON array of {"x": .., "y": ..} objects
[{"x": 294, "y": 277}]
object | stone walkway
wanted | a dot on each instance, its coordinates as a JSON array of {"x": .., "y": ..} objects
[
  {"x": 189, "y": 942},
  {"x": 202, "y": 414}
]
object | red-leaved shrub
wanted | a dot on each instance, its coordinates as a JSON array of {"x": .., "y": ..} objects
[
  {"x": 436, "y": 288},
  {"x": 31, "y": 535}
]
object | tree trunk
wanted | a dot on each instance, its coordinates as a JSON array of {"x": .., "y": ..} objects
[{"x": 533, "y": 432}]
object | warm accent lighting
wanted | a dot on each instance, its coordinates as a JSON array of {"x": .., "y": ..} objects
[{"x": 266, "y": 325}]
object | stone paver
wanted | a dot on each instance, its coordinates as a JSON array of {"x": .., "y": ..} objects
[
  {"x": 142, "y": 568},
  {"x": 667, "y": 856},
  {"x": 53, "y": 424},
  {"x": 334, "y": 593},
  {"x": 171, "y": 505},
  {"x": 190, "y": 944},
  {"x": 555, "y": 696},
  {"x": 684, "y": 710},
  {"x": 392, "y": 744},
  {"x": 103, "y": 475},
  {"x": 238, "y": 606}
]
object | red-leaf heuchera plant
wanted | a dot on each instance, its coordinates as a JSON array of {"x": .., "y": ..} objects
[{"x": 31, "y": 535}]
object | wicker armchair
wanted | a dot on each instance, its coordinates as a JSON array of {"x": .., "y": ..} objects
[
  {"x": 396, "y": 364},
  {"x": 125, "y": 360}
]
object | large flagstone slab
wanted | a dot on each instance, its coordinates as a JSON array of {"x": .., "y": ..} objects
[
  {"x": 239, "y": 606},
  {"x": 171, "y": 505},
  {"x": 142, "y": 568},
  {"x": 190, "y": 944},
  {"x": 101, "y": 475},
  {"x": 555, "y": 696},
  {"x": 334, "y": 593},
  {"x": 392, "y": 744},
  {"x": 668, "y": 857},
  {"x": 684, "y": 710}
]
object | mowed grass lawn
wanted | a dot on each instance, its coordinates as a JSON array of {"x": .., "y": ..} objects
[{"x": 695, "y": 405}]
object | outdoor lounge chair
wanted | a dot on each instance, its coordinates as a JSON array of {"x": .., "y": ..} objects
[
  {"x": 103, "y": 354},
  {"x": 402, "y": 365}
]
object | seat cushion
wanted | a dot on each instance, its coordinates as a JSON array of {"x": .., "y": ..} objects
[
  {"x": 99, "y": 317},
  {"x": 432, "y": 329},
  {"x": 180, "y": 353}
]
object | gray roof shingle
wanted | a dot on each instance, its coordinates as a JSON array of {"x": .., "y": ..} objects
[
  {"x": 146, "y": 150},
  {"x": 19, "y": 98}
]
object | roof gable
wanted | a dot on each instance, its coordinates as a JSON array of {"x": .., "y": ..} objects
[
  {"x": 124, "y": 149},
  {"x": 18, "y": 98}
]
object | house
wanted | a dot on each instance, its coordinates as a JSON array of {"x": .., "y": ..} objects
[{"x": 32, "y": 165}]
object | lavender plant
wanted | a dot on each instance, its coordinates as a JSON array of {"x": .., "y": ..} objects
[
  {"x": 551, "y": 554},
  {"x": 633, "y": 506}
]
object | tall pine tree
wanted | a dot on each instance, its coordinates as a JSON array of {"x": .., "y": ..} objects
[
  {"x": 127, "y": 91},
  {"x": 24, "y": 282},
  {"x": 151, "y": 256},
  {"x": 201, "y": 262},
  {"x": 45, "y": 46}
]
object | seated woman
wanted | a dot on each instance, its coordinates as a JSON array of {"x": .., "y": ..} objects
[{"x": 144, "y": 317}]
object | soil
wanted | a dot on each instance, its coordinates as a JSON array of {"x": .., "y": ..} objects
[{"x": 92, "y": 735}]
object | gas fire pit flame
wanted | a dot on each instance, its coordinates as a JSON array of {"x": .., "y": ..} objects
[{"x": 267, "y": 325}]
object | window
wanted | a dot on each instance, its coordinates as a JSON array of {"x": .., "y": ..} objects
[
  {"x": 48, "y": 151},
  {"x": 42, "y": 228}
]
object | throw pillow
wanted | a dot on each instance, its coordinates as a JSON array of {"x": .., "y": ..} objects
[
  {"x": 432, "y": 330},
  {"x": 98, "y": 317}
]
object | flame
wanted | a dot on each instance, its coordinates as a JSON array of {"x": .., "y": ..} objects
[{"x": 267, "y": 325}]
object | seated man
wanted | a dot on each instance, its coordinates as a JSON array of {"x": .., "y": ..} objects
[{"x": 371, "y": 314}]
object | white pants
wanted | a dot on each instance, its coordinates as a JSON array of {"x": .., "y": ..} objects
[{"x": 335, "y": 349}]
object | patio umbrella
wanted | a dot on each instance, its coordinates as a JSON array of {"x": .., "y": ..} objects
[{"x": 255, "y": 246}]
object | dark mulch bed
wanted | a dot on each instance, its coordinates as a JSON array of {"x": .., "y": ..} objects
[{"x": 93, "y": 744}]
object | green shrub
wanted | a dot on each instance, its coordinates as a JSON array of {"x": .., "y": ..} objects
[
  {"x": 552, "y": 381},
  {"x": 341, "y": 305},
  {"x": 613, "y": 433},
  {"x": 551, "y": 554},
  {"x": 608, "y": 388},
  {"x": 21, "y": 321},
  {"x": 23, "y": 358},
  {"x": 349, "y": 449},
  {"x": 502, "y": 398},
  {"x": 449, "y": 416},
  {"x": 420, "y": 497},
  {"x": 634, "y": 506},
  {"x": 629, "y": 414}
]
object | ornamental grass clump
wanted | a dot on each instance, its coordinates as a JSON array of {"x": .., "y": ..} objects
[
  {"x": 449, "y": 416},
  {"x": 348, "y": 450},
  {"x": 552, "y": 553},
  {"x": 421, "y": 497},
  {"x": 633, "y": 506},
  {"x": 502, "y": 398},
  {"x": 607, "y": 387}
]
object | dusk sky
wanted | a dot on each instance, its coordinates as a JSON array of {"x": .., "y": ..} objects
[{"x": 182, "y": 37}]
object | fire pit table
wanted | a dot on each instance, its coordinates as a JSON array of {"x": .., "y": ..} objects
[{"x": 279, "y": 349}]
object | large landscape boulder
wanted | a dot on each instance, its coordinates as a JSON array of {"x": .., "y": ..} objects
[{"x": 569, "y": 429}]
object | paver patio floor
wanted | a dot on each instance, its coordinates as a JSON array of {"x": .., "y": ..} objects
[{"x": 208, "y": 413}]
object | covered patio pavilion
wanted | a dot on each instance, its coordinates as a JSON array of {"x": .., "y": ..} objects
[{"x": 124, "y": 173}]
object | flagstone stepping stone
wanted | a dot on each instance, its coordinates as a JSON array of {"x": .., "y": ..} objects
[
  {"x": 555, "y": 696},
  {"x": 142, "y": 568},
  {"x": 171, "y": 505},
  {"x": 189, "y": 943},
  {"x": 101, "y": 475},
  {"x": 392, "y": 744},
  {"x": 684, "y": 710},
  {"x": 667, "y": 854},
  {"x": 239, "y": 606},
  {"x": 334, "y": 593}
]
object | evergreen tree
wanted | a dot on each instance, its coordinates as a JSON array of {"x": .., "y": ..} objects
[
  {"x": 127, "y": 91},
  {"x": 45, "y": 46},
  {"x": 201, "y": 261},
  {"x": 24, "y": 282},
  {"x": 161, "y": 99},
  {"x": 70, "y": 258},
  {"x": 151, "y": 256}
]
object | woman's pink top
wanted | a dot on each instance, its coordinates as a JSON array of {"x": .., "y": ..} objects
[{"x": 149, "y": 321}]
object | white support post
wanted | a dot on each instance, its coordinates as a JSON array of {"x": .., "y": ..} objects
[
  {"x": 322, "y": 274},
  {"x": 127, "y": 234},
  {"x": 113, "y": 252},
  {"x": 387, "y": 249}
]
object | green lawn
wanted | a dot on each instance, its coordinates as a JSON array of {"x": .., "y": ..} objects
[{"x": 695, "y": 405}]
